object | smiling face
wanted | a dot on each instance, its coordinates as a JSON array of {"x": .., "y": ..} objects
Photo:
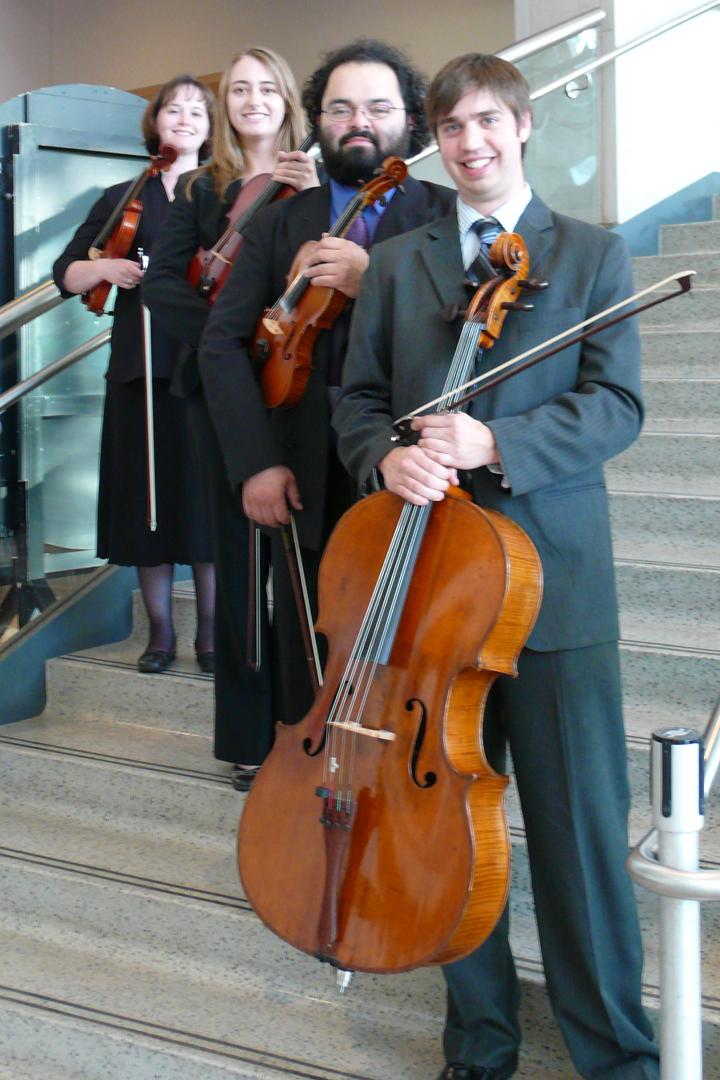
[
  {"x": 255, "y": 105},
  {"x": 481, "y": 144},
  {"x": 183, "y": 121},
  {"x": 353, "y": 147}
]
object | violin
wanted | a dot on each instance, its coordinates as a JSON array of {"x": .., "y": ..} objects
[
  {"x": 374, "y": 836},
  {"x": 115, "y": 239},
  {"x": 285, "y": 335},
  {"x": 209, "y": 270}
]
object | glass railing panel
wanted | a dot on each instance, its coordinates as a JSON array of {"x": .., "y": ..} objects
[
  {"x": 563, "y": 152},
  {"x": 49, "y": 440}
]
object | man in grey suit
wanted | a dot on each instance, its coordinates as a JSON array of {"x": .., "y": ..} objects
[{"x": 533, "y": 449}]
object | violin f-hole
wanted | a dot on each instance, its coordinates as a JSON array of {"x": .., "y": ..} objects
[{"x": 430, "y": 777}]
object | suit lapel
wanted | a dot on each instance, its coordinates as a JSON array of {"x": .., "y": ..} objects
[
  {"x": 538, "y": 231},
  {"x": 310, "y": 217},
  {"x": 440, "y": 252}
]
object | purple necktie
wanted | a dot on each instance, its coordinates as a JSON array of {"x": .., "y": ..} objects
[{"x": 359, "y": 232}]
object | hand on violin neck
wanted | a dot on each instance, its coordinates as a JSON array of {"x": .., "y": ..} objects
[
  {"x": 456, "y": 440},
  {"x": 296, "y": 169},
  {"x": 269, "y": 496},
  {"x": 416, "y": 475},
  {"x": 337, "y": 264}
]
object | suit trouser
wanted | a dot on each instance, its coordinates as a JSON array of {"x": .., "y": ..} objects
[
  {"x": 562, "y": 720},
  {"x": 243, "y": 701}
]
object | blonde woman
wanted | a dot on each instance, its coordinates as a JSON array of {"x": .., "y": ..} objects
[{"x": 259, "y": 125}]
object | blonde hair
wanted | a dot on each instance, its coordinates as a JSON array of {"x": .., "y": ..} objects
[{"x": 227, "y": 162}]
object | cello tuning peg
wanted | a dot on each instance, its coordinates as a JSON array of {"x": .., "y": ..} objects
[
  {"x": 517, "y": 306},
  {"x": 533, "y": 283}
]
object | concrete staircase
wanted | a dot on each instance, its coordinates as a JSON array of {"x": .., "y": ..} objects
[{"x": 127, "y": 951}]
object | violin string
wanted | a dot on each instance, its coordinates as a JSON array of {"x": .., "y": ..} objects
[{"x": 359, "y": 673}]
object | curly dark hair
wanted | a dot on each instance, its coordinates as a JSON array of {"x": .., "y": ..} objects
[{"x": 370, "y": 51}]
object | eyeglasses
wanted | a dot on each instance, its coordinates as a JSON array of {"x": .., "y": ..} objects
[{"x": 375, "y": 110}]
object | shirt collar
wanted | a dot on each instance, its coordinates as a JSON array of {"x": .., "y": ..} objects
[
  {"x": 341, "y": 194},
  {"x": 508, "y": 214}
]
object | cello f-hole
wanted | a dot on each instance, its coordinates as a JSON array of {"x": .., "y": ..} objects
[{"x": 430, "y": 777}]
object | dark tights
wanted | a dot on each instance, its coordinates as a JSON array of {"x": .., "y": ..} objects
[{"x": 156, "y": 587}]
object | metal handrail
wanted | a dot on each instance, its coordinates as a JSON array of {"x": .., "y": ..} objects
[
  {"x": 28, "y": 306},
  {"x": 642, "y": 862},
  {"x": 606, "y": 58},
  {"x": 39, "y": 377},
  {"x": 592, "y": 65}
]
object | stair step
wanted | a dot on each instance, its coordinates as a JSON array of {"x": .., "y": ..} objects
[
  {"x": 666, "y": 528},
  {"x": 647, "y": 269},
  {"x": 667, "y": 687},
  {"x": 214, "y": 973},
  {"x": 84, "y": 686},
  {"x": 669, "y": 605},
  {"x": 690, "y": 237},
  {"x": 669, "y": 463},
  {"x": 689, "y": 400},
  {"x": 687, "y": 353},
  {"x": 699, "y": 307}
]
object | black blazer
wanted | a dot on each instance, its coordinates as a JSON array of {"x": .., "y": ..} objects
[
  {"x": 127, "y": 359},
  {"x": 251, "y": 438},
  {"x": 195, "y": 222}
]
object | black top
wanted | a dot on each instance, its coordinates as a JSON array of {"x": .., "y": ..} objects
[
  {"x": 126, "y": 352},
  {"x": 195, "y": 222}
]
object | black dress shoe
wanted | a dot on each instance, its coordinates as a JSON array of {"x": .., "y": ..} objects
[
  {"x": 155, "y": 661},
  {"x": 206, "y": 662},
  {"x": 468, "y": 1072},
  {"x": 242, "y": 776}
]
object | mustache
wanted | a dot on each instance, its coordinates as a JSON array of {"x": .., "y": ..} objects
[{"x": 363, "y": 133}]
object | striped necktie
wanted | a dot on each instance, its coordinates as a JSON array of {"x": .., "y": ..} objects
[{"x": 487, "y": 230}]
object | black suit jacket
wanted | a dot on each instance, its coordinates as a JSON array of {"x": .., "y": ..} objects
[{"x": 251, "y": 438}]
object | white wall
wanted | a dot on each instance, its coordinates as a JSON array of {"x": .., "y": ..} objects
[
  {"x": 134, "y": 43},
  {"x": 25, "y": 61},
  {"x": 667, "y": 133}
]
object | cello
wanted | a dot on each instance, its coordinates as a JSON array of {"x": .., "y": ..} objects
[
  {"x": 385, "y": 779},
  {"x": 117, "y": 234},
  {"x": 209, "y": 270},
  {"x": 286, "y": 332}
]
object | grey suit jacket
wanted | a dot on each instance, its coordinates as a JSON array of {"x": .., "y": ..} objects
[{"x": 554, "y": 424}]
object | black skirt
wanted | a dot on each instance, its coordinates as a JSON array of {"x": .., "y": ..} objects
[{"x": 124, "y": 536}]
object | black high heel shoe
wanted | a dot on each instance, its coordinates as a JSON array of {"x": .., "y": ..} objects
[
  {"x": 155, "y": 661},
  {"x": 206, "y": 662}
]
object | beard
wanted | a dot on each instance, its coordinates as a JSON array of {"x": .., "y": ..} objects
[{"x": 355, "y": 165}]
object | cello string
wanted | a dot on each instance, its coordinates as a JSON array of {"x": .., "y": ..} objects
[{"x": 403, "y": 548}]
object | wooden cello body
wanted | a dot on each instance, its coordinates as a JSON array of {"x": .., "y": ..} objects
[
  {"x": 417, "y": 870},
  {"x": 374, "y": 836}
]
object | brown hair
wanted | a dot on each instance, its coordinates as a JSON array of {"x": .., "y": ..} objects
[
  {"x": 227, "y": 161},
  {"x": 477, "y": 71},
  {"x": 165, "y": 94}
]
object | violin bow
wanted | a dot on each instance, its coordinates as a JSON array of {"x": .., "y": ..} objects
[{"x": 515, "y": 365}]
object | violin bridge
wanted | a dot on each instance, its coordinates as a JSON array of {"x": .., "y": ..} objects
[{"x": 358, "y": 729}]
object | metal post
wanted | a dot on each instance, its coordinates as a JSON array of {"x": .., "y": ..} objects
[{"x": 677, "y": 798}]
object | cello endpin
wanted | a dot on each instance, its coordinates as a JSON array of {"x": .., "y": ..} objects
[{"x": 343, "y": 979}]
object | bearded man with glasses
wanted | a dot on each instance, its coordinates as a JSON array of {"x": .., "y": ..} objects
[{"x": 365, "y": 103}]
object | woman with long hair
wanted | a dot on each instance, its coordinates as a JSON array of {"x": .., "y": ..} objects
[
  {"x": 259, "y": 125},
  {"x": 180, "y": 116}
]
